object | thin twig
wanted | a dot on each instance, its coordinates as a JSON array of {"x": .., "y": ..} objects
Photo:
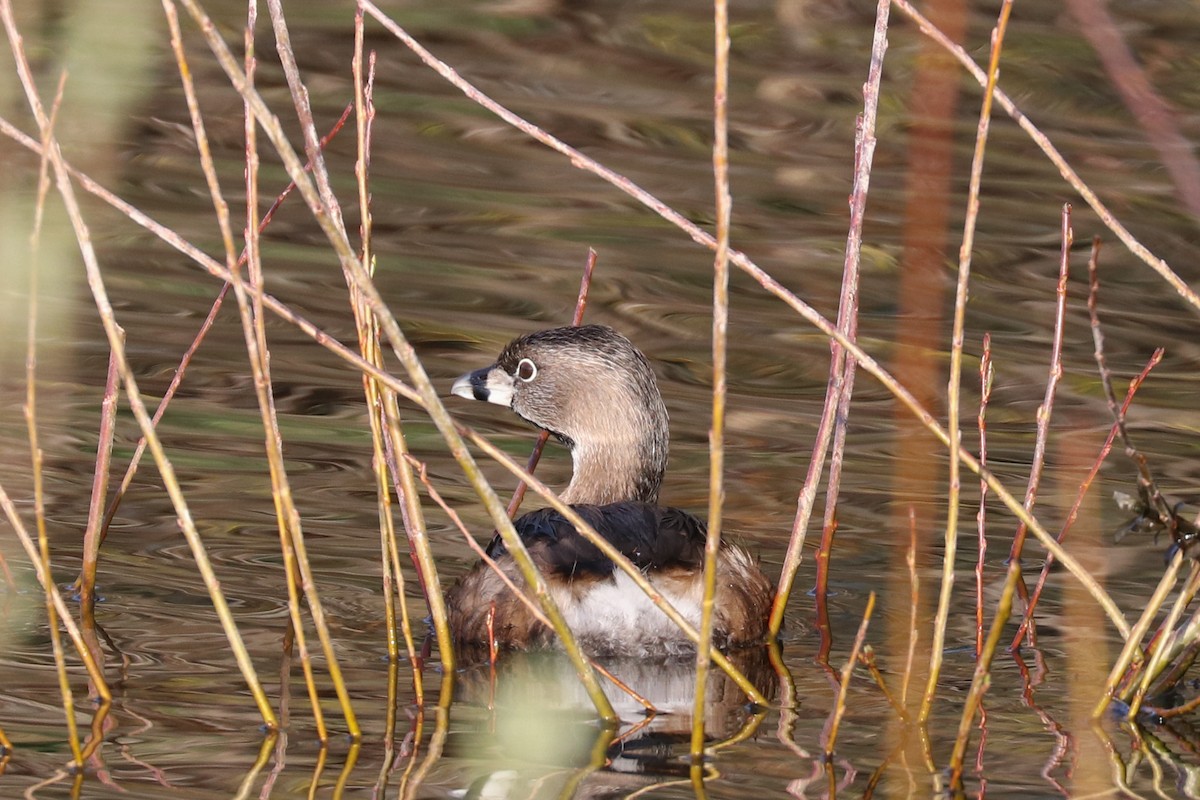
[
  {"x": 986, "y": 374},
  {"x": 842, "y": 385},
  {"x": 982, "y": 677},
  {"x": 839, "y": 708},
  {"x": 1047, "y": 407},
  {"x": 39, "y": 498}
]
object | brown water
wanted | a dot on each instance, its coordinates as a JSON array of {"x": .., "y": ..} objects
[{"x": 481, "y": 234}]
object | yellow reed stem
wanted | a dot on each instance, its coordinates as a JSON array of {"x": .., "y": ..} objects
[
  {"x": 385, "y": 410},
  {"x": 720, "y": 332},
  {"x": 35, "y": 450},
  {"x": 839, "y": 706},
  {"x": 954, "y": 432},
  {"x": 982, "y": 677},
  {"x": 1161, "y": 650}
]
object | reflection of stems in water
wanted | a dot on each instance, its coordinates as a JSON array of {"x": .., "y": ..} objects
[
  {"x": 986, "y": 374},
  {"x": 264, "y": 755},
  {"x": 343, "y": 778},
  {"x": 408, "y": 749},
  {"x": 597, "y": 759},
  {"x": 585, "y": 285},
  {"x": 412, "y": 783},
  {"x": 953, "y": 431}
]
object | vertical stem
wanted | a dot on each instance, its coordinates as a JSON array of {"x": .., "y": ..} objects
[
  {"x": 986, "y": 374},
  {"x": 953, "y": 431},
  {"x": 720, "y": 330}
]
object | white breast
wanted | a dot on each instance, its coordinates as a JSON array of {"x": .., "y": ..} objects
[{"x": 616, "y": 617}]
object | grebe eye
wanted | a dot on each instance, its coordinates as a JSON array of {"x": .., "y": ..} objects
[{"x": 526, "y": 370}]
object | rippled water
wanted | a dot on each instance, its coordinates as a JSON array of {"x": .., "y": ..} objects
[{"x": 481, "y": 235}]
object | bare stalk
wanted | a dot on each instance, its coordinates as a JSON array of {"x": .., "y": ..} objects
[
  {"x": 914, "y": 601},
  {"x": 35, "y": 450},
  {"x": 986, "y": 373},
  {"x": 954, "y": 387},
  {"x": 720, "y": 335},
  {"x": 1047, "y": 407}
]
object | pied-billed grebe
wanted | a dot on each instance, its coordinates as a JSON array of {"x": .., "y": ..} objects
[{"x": 594, "y": 391}]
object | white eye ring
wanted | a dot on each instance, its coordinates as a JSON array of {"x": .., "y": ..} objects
[{"x": 526, "y": 370}]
